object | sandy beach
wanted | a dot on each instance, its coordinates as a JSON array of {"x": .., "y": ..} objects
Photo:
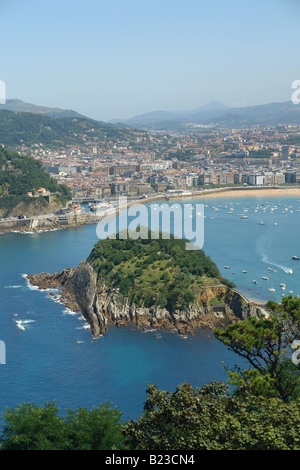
[{"x": 247, "y": 192}]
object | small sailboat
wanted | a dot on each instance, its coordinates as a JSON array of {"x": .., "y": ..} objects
[{"x": 261, "y": 222}]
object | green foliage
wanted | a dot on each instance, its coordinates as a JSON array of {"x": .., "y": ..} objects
[
  {"x": 265, "y": 343},
  {"x": 30, "y": 129},
  {"x": 265, "y": 153},
  {"x": 22, "y": 174},
  {"x": 208, "y": 418},
  {"x": 154, "y": 272},
  {"x": 31, "y": 427},
  {"x": 97, "y": 429}
]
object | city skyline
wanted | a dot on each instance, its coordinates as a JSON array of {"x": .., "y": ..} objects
[{"x": 118, "y": 60}]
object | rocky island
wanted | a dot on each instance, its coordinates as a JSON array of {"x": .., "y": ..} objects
[{"x": 149, "y": 284}]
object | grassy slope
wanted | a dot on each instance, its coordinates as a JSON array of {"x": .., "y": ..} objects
[{"x": 155, "y": 272}]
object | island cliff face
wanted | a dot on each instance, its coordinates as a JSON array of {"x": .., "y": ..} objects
[{"x": 101, "y": 305}]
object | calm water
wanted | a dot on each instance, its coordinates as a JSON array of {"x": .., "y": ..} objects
[{"x": 50, "y": 352}]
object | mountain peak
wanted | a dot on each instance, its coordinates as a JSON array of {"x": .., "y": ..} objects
[{"x": 17, "y": 105}]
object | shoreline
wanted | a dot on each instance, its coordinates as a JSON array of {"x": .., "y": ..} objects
[{"x": 214, "y": 193}]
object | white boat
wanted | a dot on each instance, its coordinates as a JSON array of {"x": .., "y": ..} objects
[
  {"x": 261, "y": 222},
  {"x": 290, "y": 291},
  {"x": 271, "y": 289},
  {"x": 255, "y": 282},
  {"x": 226, "y": 267},
  {"x": 265, "y": 278},
  {"x": 243, "y": 271}
]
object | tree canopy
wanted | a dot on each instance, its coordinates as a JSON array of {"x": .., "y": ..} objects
[
  {"x": 155, "y": 271},
  {"x": 208, "y": 418},
  {"x": 32, "y": 427},
  {"x": 266, "y": 344},
  {"x": 22, "y": 174}
]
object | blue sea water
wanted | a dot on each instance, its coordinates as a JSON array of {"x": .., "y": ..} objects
[{"x": 50, "y": 353}]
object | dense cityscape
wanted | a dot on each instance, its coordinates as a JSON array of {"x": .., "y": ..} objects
[{"x": 256, "y": 156}]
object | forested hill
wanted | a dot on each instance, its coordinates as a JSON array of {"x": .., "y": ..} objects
[
  {"x": 26, "y": 128},
  {"x": 155, "y": 272},
  {"x": 22, "y": 174}
]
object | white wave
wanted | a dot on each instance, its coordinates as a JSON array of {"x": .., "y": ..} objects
[
  {"x": 12, "y": 287},
  {"x": 285, "y": 269},
  {"x": 21, "y": 233},
  {"x": 54, "y": 298},
  {"x": 21, "y": 323},
  {"x": 68, "y": 311},
  {"x": 28, "y": 283},
  {"x": 32, "y": 287},
  {"x": 48, "y": 230},
  {"x": 84, "y": 327}
]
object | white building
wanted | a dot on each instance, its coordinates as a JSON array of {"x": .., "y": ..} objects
[{"x": 257, "y": 180}]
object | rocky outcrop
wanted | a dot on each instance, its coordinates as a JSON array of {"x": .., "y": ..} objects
[{"x": 81, "y": 290}]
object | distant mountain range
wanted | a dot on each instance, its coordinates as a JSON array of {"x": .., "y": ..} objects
[
  {"x": 209, "y": 111},
  {"x": 214, "y": 114},
  {"x": 219, "y": 115}
]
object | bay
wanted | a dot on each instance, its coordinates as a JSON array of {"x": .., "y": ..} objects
[{"x": 50, "y": 353}]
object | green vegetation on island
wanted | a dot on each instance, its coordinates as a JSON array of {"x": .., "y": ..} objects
[
  {"x": 155, "y": 272},
  {"x": 20, "y": 175}
]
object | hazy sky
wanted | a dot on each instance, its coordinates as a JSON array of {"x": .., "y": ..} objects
[{"x": 118, "y": 58}]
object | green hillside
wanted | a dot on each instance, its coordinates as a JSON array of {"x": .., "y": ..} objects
[
  {"x": 26, "y": 128},
  {"x": 22, "y": 174},
  {"x": 155, "y": 272}
]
